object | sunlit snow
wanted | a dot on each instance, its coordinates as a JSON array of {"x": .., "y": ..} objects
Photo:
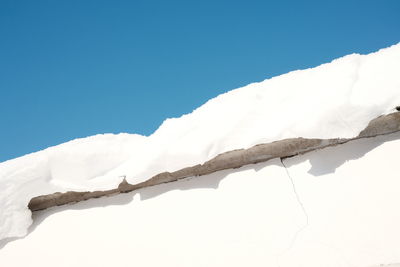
[{"x": 333, "y": 100}]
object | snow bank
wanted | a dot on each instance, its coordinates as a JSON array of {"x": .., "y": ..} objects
[
  {"x": 69, "y": 166},
  {"x": 333, "y": 100}
]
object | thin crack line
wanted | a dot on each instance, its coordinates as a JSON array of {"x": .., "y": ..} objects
[{"x": 300, "y": 204}]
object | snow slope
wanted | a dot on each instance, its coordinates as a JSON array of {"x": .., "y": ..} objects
[
  {"x": 343, "y": 209},
  {"x": 333, "y": 100}
]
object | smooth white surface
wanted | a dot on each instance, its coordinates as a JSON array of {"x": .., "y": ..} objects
[
  {"x": 245, "y": 217},
  {"x": 333, "y": 100},
  {"x": 354, "y": 210},
  {"x": 187, "y": 223}
]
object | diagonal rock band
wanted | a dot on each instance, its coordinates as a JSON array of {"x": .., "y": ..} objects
[{"x": 383, "y": 125}]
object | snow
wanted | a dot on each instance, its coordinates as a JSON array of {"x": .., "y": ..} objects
[
  {"x": 333, "y": 100},
  {"x": 251, "y": 216},
  {"x": 58, "y": 168}
]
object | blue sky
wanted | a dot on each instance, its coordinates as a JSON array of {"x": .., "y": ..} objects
[{"x": 71, "y": 69}]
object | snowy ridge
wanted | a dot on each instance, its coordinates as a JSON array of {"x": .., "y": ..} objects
[{"x": 333, "y": 100}]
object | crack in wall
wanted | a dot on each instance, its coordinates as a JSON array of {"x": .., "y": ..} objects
[
  {"x": 301, "y": 204},
  {"x": 303, "y": 209}
]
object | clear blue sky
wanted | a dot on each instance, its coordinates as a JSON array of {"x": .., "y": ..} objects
[{"x": 71, "y": 69}]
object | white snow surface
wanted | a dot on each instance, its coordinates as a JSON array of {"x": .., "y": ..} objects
[
  {"x": 337, "y": 99},
  {"x": 336, "y": 207}
]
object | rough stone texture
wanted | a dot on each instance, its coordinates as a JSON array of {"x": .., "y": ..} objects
[{"x": 382, "y": 125}]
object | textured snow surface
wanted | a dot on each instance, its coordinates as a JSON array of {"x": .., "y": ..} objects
[
  {"x": 333, "y": 100},
  {"x": 342, "y": 210}
]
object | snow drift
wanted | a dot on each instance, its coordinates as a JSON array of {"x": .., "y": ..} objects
[{"x": 335, "y": 100}]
